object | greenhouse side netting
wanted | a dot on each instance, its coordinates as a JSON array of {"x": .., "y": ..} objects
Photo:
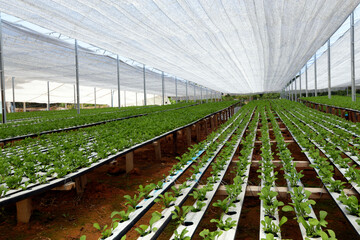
[
  {"x": 32, "y": 59},
  {"x": 340, "y": 62}
]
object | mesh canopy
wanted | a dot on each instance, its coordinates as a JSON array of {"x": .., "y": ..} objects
[
  {"x": 33, "y": 58},
  {"x": 231, "y": 46},
  {"x": 340, "y": 64}
]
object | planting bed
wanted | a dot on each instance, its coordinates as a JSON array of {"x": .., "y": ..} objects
[{"x": 274, "y": 170}]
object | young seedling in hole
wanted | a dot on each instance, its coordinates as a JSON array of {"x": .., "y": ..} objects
[
  {"x": 180, "y": 213},
  {"x": 213, "y": 179},
  {"x": 224, "y": 225},
  {"x": 207, "y": 235},
  {"x": 124, "y": 215},
  {"x": 198, "y": 207},
  {"x": 267, "y": 195},
  {"x": 177, "y": 191},
  {"x": 105, "y": 231},
  {"x": 351, "y": 203},
  {"x": 200, "y": 194},
  {"x": 166, "y": 199},
  {"x": 146, "y": 190},
  {"x": 224, "y": 205},
  {"x": 301, "y": 202},
  {"x": 269, "y": 236},
  {"x": 181, "y": 236},
  {"x": 133, "y": 201},
  {"x": 336, "y": 186},
  {"x": 270, "y": 227},
  {"x": 313, "y": 226},
  {"x": 293, "y": 176},
  {"x": 143, "y": 229}
]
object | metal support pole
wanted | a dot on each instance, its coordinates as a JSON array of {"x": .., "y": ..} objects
[
  {"x": 201, "y": 95},
  {"x": 13, "y": 92},
  {"x": 118, "y": 79},
  {"x": 315, "y": 75},
  {"x": 144, "y": 85},
  {"x": 207, "y": 96},
  {"x": 162, "y": 88},
  {"x": 125, "y": 98},
  {"x": 136, "y": 103},
  {"x": 306, "y": 82},
  {"x": 292, "y": 91},
  {"x": 74, "y": 96},
  {"x": 352, "y": 45},
  {"x": 187, "y": 96},
  {"x": 2, "y": 77},
  {"x": 295, "y": 90},
  {"x": 48, "y": 95},
  {"x": 300, "y": 84},
  {"x": 95, "y": 96},
  {"x": 112, "y": 98},
  {"x": 176, "y": 90},
  {"x": 329, "y": 70},
  {"x": 77, "y": 77},
  {"x": 194, "y": 93}
]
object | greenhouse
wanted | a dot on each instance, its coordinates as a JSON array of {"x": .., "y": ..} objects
[{"x": 180, "y": 120}]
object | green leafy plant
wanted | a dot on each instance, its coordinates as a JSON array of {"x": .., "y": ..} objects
[
  {"x": 351, "y": 203},
  {"x": 144, "y": 230},
  {"x": 124, "y": 216},
  {"x": 179, "y": 214},
  {"x": 198, "y": 206},
  {"x": 145, "y": 191},
  {"x": 336, "y": 186},
  {"x": 207, "y": 235},
  {"x": 166, "y": 199},
  {"x": 224, "y": 225},
  {"x": 313, "y": 226},
  {"x": 181, "y": 236},
  {"x": 224, "y": 205},
  {"x": 270, "y": 227},
  {"x": 133, "y": 201}
]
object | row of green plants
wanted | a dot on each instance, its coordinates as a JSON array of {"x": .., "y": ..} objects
[
  {"x": 208, "y": 147},
  {"x": 218, "y": 167},
  {"x": 36, "y": 161},
  {"x": 333, "y": 145},
  {"x": 269, "y": 203},
  {"x": 338, "y": 101},
  {"x": 321, "y": 165},
  {"x": 239, "y": 182},
  {"x": 301, "y": 204},
  {"x": 66, "y": 120}
]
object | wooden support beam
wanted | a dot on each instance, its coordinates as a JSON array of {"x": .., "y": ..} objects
[
  {"x": 197, "y": 130},
  {"x": 66, "y": 187},
  {"x": 278, "y": 163},
  {"x": 157, "y": 150},
  {"x": 212, "y": 123},
  {"x": 129, "y": 161},
  {"x": 206, "y": 127},
  {"x": 80, "y": 183},
  {"x": 316, "y": 193},
  {"x": 188, "y": 136},
  {"x": 175, "y": 142},
  {"x": 24, "y": 210},
  {"x": 273, "y": 141}
]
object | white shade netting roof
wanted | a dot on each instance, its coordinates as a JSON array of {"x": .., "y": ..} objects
[
  {"x": 33, "y": 59},
  {"x": 231, "y": 46}
]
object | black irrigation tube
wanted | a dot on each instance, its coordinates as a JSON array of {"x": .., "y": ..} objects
[
  {"x": 32, "y": 135},
  {"x": 37, "y": 189}
]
